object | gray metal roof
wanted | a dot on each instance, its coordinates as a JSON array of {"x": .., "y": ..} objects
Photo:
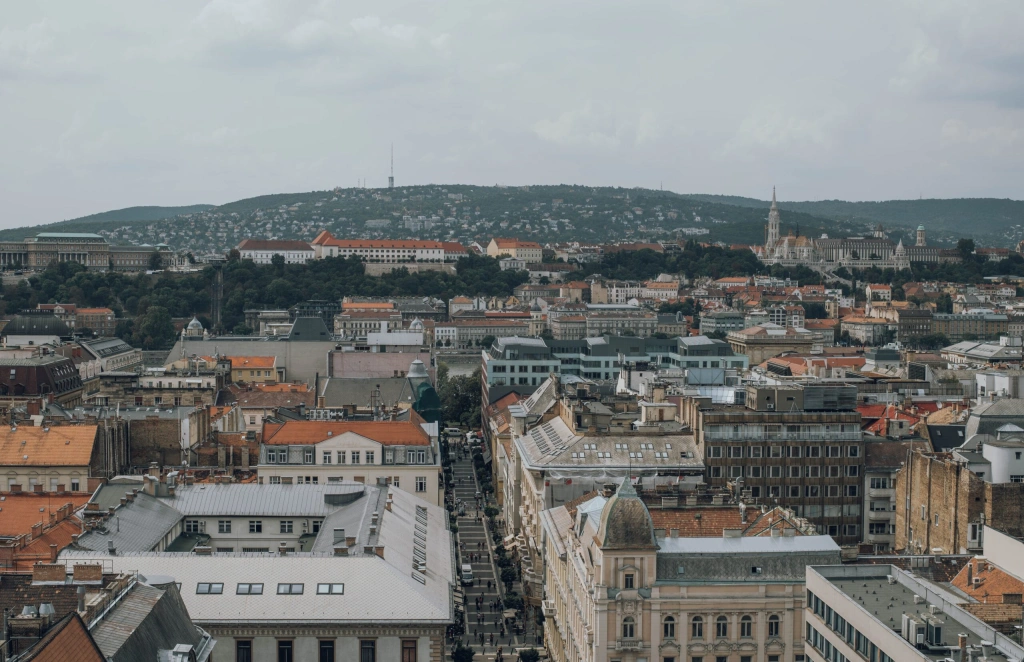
[
  {"x": 138, "y": 526},
  {"x": 340, "y": 392},
  {"x": 251, "y": 499},
  {"x": 378, "y": 591}
]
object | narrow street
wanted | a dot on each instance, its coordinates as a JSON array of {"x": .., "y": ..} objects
[{"x": 483, "y": 613}]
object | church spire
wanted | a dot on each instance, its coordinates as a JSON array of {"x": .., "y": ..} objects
[{"x": 774, "y": 204}]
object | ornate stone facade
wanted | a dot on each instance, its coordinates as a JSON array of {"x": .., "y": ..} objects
[{"x": 855, "y": 252}]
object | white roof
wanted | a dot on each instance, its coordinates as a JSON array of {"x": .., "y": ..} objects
[
  {"x": 251, "y": 499},
  {"x": 748, "y": 545}
]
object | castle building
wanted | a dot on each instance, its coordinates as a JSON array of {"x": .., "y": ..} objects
[{"x": 856, "y": 252}]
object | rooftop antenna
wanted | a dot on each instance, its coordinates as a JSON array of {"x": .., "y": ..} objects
[{"x": 391, "y": 179}]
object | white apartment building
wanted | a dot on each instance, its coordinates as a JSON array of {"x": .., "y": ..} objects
[
  {"x": 379, "y": 250},
  {"x": 262, "y": 251},
  {"x": 401, "y": 453}
]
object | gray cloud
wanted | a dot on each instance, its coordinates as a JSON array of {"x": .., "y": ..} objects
[{"x": 126, "y": 103}]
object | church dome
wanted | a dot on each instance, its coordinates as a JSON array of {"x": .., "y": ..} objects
[
  {"x": 195, "y": 325},
  {"x": 626, "y": 522},
  {"x": 416, "y": 325}
]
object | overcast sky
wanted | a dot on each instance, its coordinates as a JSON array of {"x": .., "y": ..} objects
[{"x": 117, "y": 103}]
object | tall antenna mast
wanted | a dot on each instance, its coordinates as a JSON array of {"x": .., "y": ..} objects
[{"x": 391, "y": 179}]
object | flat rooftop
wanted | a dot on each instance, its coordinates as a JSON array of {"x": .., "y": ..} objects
[{"x": 870, "y": 588}]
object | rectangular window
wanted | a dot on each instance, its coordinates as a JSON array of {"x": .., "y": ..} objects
[
  {"x": 715, "y": 451},
  {"x": 249, "y": 589},
  {"x": 74, "y": 484},
  {"x": 285, "y": 652},
  {"x": 326, "y": 651},
  {"x": 307, "y": 456},
  {"x": 275, "y": 480},
  {"x": 389, "y": 456},
  {"x": 255, "y": 526},
  {"x": 628, "y": 580},
  {"x": 408, "y": 650},
  {"x": 735, "y": 451},
  {"x": 852, "y": 490},
  {"x": 367, "y": 650},
  {"x": 243, "y": 651},
  {"x": 716, "y": 472},
  {"x": 355, "y": 457},
  {"x": 289, "y": 589},
  {"x": 286, "y": 526},
  {"x": 794, "y": 451},
  {"x": 330, "y": 589},
  {"x": 224, "y": 526},
  {"x": 370, "y": 457},
  {"x": 755, "y": 451},
  {"x": 735, "y": 472},
  {"x": 341, "y": 457},
  {"x": 208, "y": 588},
  {"x": 191, "y": 526},
  {"x": 814, "y": 451},
  {"x": 421, "y": 483},
  {"x": 328, "y": 456}
]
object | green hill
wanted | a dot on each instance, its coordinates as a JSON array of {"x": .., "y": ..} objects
[{"x": 104, "y": 220}]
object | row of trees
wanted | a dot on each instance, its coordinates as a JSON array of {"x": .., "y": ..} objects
[{"x": 148, "y": 302}]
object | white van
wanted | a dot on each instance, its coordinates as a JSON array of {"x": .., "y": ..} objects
[
  {"x": 453, "y": 432},
  {"x": 467, "y": 574}
]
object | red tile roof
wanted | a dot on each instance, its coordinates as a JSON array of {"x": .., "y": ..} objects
[
  {"x": 389, "y": 433},
  {"x": 19, "y": 512},
  {"x": 994, "y": 584},
  {"x": 253, "y": 362},
  {"x": 62, "y": 445}
]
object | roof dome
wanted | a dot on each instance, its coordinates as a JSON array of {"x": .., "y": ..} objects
[
  {"x": 417, "y": 370},
  {"x": 626, "y": 522},
  {"x": 195, "y": 324},
  {"x": 920, "y": 227},
  {"x": 416, "y": 325},
  {"x": 36, "y": 325},
  {"x": 535, "y": 306}
]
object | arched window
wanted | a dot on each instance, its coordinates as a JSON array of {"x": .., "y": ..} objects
[
  {"x": 722, "y": 627},
  {"x": 668, "y": 627},
  {"x": 697, "y": 627},
  {"x": 746, "y": 626},
  {"x": 628, "y": 627},
  {"x": 773, "y": 626}
]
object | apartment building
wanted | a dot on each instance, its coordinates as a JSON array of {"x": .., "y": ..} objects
[
  {"x": 377, "y": 584},
  {"x": 401, "y": 453},
  {"x": 262, "y": 251},
  {"x": 964, "y": 326},
  {"x": 944, "y": 499},
  {"x": 530, "y": 252},
  {"x": 517, "y": 361},
  {"x": 379, "y": 250},
  {"x": 882, "y": 461},
  {"x": 721, "y": 321},
  {"x": 766, "y": 341},
  {"x": 799, "y": 446},
  {"x": 619, "y": 588},
  {"x": 616, "y": 291},
  {"x": 886, "y": 614}
]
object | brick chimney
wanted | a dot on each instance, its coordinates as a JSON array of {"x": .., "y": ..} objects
[
  {"x": 49, "y": 572},
  {"x": 37, "y": 530},
  {"x": 87, "y": 572}
]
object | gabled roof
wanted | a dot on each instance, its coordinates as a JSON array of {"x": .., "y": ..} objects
[
  {"x": 62, "y": 445},
  {"x": 389, "y": 433},
  {"x": 252, "y": 362},
  {"x": 67, "y": 641}
]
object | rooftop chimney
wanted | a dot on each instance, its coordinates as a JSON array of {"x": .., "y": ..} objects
[
  {"x": 111, "y": 549},
  {"x": 81, "y": 599}
]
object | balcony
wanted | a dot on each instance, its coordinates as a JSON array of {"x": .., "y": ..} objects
[
  {"x": 629, "y": 645},
  {"x": 881, "y": 493},
  {"x": 880, "y": 515},
  {"x": 548, "y": 608},
  {"x": 879, "y": 537}
]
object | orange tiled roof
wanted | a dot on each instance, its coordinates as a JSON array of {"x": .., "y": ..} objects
[
  {"x": 67, "y": 641},
  {"x": 95, "y": 311},
  {"x": 241, "y": 362},
  {"x": 39, "y": 549},
  {"x": 995, "y": 582},
  {"x": 389, "y": 433},
  {"x": 453, "y": 247},
  {"x": 18, "y": 512},
  {"x": 62, "y": 445},
  {"x": 698, "y": 522}
]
